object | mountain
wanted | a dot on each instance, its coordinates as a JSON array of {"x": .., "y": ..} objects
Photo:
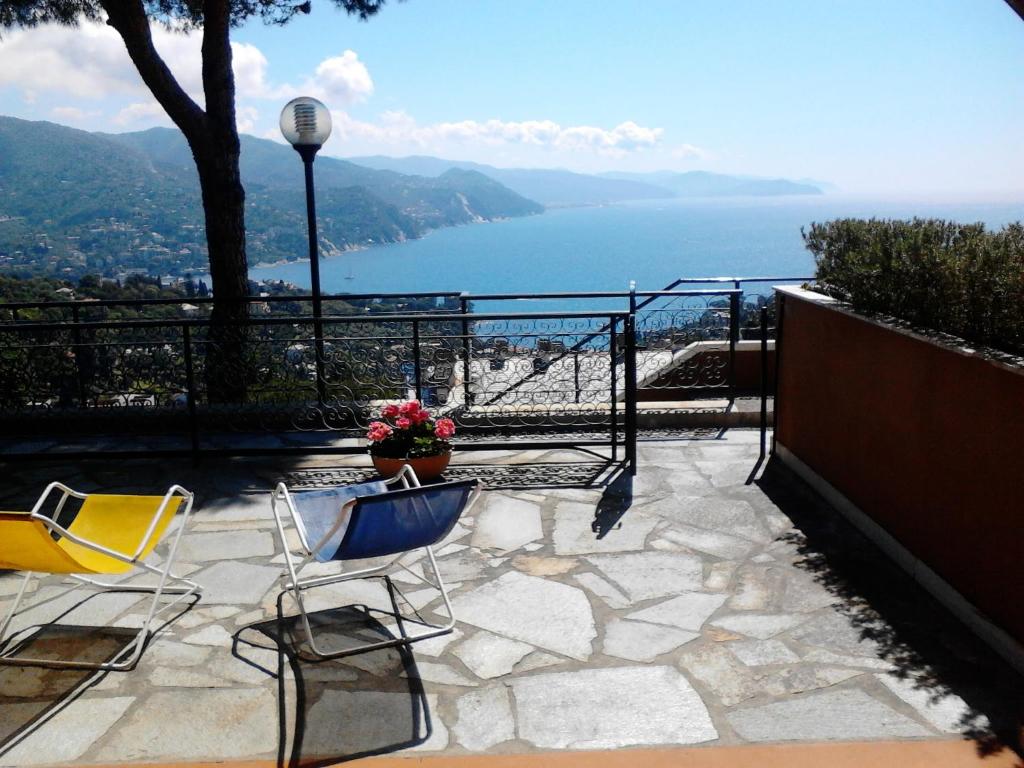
[
  {"x": 73, "y": 202},
  {"x": 563, "y": 188},
  {"x": 546, "y": 186},
  {"x": 705, "y": 184}
]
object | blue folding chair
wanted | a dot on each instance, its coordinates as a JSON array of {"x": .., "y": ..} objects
[{"x": 370, "y": 520}]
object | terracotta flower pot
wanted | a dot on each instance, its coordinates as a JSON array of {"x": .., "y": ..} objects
[{"x": 425, "y": 467}]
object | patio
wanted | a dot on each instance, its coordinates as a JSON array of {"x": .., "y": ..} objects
[{"x": 717, "y": 602}]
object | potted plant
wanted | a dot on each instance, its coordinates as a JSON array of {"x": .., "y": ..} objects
[{"x": 408, "y": 434}]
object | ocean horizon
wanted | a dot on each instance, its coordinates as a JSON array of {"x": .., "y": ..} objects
[{"x": 603, "y": 248}]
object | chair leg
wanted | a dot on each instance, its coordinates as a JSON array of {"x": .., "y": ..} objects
[
  {"x": 433, "y": 630},
  {"x": 12, "y": 612},
  {"x": 182, "y": 588}
]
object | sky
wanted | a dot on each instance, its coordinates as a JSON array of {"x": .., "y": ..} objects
[{"x": 879, "y": 97}]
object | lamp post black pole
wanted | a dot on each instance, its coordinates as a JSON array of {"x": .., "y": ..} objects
[{"x": 308, "y": 154}]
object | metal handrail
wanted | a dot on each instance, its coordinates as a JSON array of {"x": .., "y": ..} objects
[{"x": 463, "y": 296}]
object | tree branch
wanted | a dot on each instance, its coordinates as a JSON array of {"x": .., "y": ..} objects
[{"x": 129, "y": 19}]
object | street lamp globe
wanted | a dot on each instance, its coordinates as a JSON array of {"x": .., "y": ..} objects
[{"x": 305, "y": 122}]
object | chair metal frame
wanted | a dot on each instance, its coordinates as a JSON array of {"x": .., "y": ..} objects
[
  {"x": 294, "y": 585},
  {"x": 186, "y": 589}
]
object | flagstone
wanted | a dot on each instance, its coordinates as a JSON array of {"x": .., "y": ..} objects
[
  {"x": 720, "y": 672},
  {"x": 610, "y": 708},
  {"x": 757, "y": 653},
  {"x": 639, "y": 641},
  {"x": 711, "y": 542},
  {"x": 720, "y": 513},
  {"x": 544, "y": 566},
  {"x": 540, "y": 612},
  {"x": 836, "y": 632},
  {"x": 688, "y": 611},
  {"x": 608, "y": 593},
  {"x": 574, "y": 532},
  {"x": 226, "y": 545},
  {"x": 234, "y": 583},
  {"x": 234, "y": 722},
  {"x": 646, "y": 575},
  {"x": 538, "y": 660},
  {"x": 70, "y": 733},
  {"x": 719, "y": 576},
  {"x": 484, "y": 719},
  {"x": 433, "y": 672},
  {"x": 435, "y": 646},
  {"x": 942, "y": 708},
  {"x": 488, "y": 655},
  {"x": 806, "y": 678},
  {"x": 759, "y": 625},
  {"x": 506, "y": 523},
  {"x": 846, "y": 715}
]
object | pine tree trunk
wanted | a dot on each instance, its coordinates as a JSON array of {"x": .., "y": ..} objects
[{"x": 224, "y": 206}]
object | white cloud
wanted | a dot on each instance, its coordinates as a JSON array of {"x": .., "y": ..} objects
[
  {"x": 148, "y": 112},
  {"x": 246, "y": 119},
  {"x": 342, "y": 79},
  {"x": 398, "y": 128},
  {"x": 73, "y": 114},
  {"x": 90, "y": 62},
  {"x": 687, "y": 151}
]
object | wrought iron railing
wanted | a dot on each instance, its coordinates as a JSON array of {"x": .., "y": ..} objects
[{"x": 548, "y": 379}]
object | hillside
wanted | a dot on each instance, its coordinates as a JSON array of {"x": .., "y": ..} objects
[
  {"x": 546, "y": 186},
  {"x": 73, "y": 202},
  {"x": 561, "y": 188}
]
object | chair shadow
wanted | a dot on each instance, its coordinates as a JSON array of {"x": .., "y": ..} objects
[
  {"x": 365, "y": 704},
  {"x": 925, "y": 643},
  {"x": 30, "y": 695}
]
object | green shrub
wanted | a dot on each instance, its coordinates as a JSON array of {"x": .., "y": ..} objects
[{"x": 961, "y": 279}]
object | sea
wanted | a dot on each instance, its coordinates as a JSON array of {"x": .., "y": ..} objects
[{"x": 603, "y": 248}]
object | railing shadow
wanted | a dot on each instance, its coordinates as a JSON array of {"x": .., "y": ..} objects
[
  {"x": 31, "y": 695},
  {"x": 366, "y": 704},
  {"x": 925, "y": 644},
  {"x": 615, "y": 501},
  {"x": 583, "y": 474}
]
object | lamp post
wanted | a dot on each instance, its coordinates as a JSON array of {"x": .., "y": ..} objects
[{"x": 306, "y": 125}]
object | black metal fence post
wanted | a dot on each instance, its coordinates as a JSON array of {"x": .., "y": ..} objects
[
  {"x": 631, "y": 398},
  {"x": 734, "y": 337},
  {"x": 764, "y": 380},
  {"x": 576, "y": 372},
  {"x": 190, "y": 397},
  {"x": 467, "y": 350},
  {"x": 613, "y": 378},
  {"x": 416, "y": 360},
  {"x": 77, "y": 351}
]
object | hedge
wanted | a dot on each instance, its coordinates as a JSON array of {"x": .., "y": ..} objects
[{"x": 960, "y": 279}]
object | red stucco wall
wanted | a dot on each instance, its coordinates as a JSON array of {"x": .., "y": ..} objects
[{"x": 927, "y": 441}]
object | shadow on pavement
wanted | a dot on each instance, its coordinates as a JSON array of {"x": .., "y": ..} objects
[
  {"x": 927, "y": 646},
  {"x": 30, "y": 695},
  {"x": 342, "y": 709}
]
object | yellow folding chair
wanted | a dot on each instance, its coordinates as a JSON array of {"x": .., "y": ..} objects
[{"x": 110, "y": 535}]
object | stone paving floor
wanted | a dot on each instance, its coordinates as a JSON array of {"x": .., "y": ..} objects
[{"x": 704, "y": 605}]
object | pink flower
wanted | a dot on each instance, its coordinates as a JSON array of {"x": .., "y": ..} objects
[
  {"x": 378, "y": 431},
  {"x": 412, "y": 406},
  {"x": 389, "y": 411},
  {"x": 444, "y": 428},
  {"x": 403, "y": 423},
  {"x": 419, "y": 417}
]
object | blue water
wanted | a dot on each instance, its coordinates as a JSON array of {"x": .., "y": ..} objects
[{"x": 603, "y": 248}]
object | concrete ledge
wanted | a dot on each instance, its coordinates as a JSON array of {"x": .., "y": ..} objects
[{"x": 995, "y": 637}]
